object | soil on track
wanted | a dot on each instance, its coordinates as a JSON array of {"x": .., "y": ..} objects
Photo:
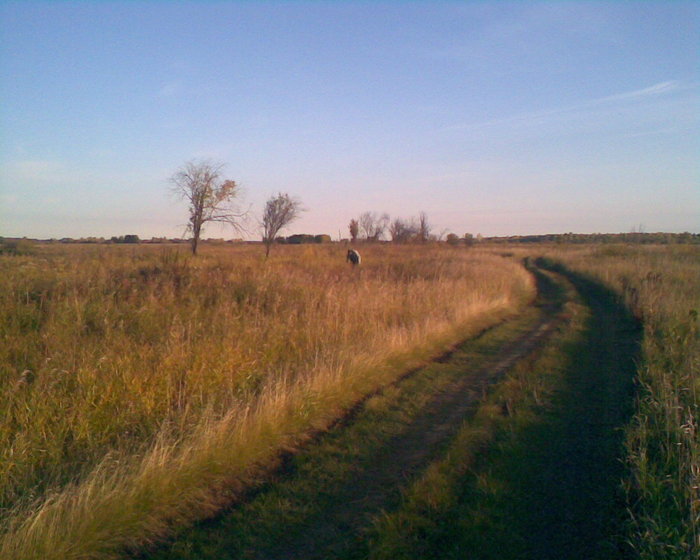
[
  {"x": 338, "y": 530},
  {"x": 567, "y": 500}
]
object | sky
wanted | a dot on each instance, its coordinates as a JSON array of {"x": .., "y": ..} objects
[{"x": 498, "y": 118}]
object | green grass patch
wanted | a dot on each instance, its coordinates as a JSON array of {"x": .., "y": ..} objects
[{"x": 661, "y": 287}]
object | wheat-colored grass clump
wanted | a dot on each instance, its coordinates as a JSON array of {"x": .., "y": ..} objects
[{"x": 142, "y": 388}]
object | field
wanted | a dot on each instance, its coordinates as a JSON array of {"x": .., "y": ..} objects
[
  {"x": 141, "y": 384},
  {"x": 143, "y": 389}
]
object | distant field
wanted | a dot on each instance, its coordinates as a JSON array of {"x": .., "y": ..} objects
[{"x": 141, "y": 387}]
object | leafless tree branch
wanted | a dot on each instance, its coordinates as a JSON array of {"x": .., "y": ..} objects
[
  {"x": 210, "y": 198},
  {"x": 280, "y": 211}
]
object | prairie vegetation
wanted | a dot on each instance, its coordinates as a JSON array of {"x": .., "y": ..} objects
[
  {"x": 661, "y": 286},
  {"x": 536, "y": 472},
  {"x": 469, "y": 502},
  {"x": 142, "y": 388},
  {"x": 323, "y": 502}
]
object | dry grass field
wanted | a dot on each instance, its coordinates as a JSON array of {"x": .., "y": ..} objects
[{"x": 142, "y": 388}]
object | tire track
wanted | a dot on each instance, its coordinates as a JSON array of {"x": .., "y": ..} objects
[
  {"x": 363, "y": 490},
  {"x": 337, "y": 531},
  {"x": 401, "y": 459}
]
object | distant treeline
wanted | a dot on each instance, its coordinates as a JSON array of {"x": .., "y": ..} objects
[
  {"x": 126, "y": 239},
  {"x": 300, "y": 238},
  {"x": 633, "y": 237},
  {"x": 133, "y": 239},
  {"x": 10, "y": 245}
]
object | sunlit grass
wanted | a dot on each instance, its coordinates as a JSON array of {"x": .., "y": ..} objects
[
  {"x": 301, "y": 509},
  {"x": 142, "y": 388}
]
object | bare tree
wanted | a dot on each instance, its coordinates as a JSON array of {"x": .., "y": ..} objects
[
  {"x": 382, "y": 225},
  {"x": 372, "y": 225},
  {"x": 210, "y": 197},
  {"x": 396, "y": 228},
  {"x": 366, "y": 224},
  {"x": 280, "y": 211},
  {"x": 403, "y": 231},
  {"x": 424, "y": 228},
  {"x": 440, "y": 236}
]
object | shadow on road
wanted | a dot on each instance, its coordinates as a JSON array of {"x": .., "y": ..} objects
[{"x": 555, "y": 489}]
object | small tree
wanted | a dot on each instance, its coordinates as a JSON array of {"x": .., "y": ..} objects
[
  {"x": 210, "y": 197},
  {"x": 453, "y": 239},
  {"x": 354, "y": 229},
  {"x": 424, "y": 228},
  {"x": 131, "y": 238},
  {"x": 280, "y": 211},
  {"x": 403, "y": 231}
]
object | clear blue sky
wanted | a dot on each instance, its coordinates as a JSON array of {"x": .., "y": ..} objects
[{"x": 493, "y": 117}]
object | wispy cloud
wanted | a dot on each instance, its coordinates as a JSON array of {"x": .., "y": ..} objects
[
  {"x": 169, "y": 90},
  {"x": 528, "y": 26},
  {"x": 176, "y": 88},
  {"x": 658, "y": 90},
  {"x": 651, "y": 91}
]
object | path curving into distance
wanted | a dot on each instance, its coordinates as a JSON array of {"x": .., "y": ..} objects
[{"x": 321, "y": 503}]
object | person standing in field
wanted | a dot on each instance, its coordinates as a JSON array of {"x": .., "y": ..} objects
[{"x": 353, "y": 257}]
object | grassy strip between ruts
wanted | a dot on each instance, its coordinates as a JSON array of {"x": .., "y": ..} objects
[
  {"x": 284, "y": 516},
  {"x": 536, "y": 472}
]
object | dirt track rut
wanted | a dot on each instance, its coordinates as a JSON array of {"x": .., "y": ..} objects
[
  {"x": 337, "y": 529},
  {"x": 333, "y": 533}
]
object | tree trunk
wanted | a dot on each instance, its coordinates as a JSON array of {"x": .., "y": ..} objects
[{"x": 196, "y": 230}]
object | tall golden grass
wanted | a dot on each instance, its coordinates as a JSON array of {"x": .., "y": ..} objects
[
  {"x": 661, "y": 285},
  {"x": 142, "y": 388}
]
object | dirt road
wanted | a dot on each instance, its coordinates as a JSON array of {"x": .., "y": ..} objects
[{"x": 321, "y": 503}]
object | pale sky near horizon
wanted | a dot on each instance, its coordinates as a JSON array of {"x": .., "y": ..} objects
[{"x": 499, "y": 118}]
